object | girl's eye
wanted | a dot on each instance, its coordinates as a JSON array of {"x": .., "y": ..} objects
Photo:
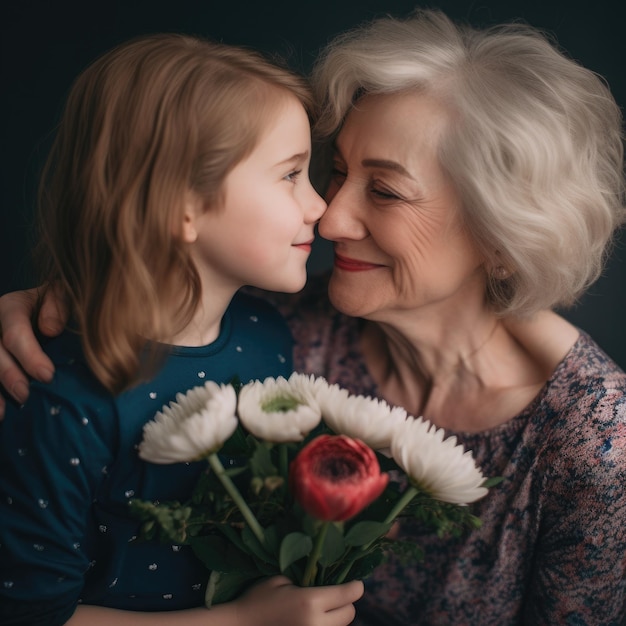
[{"x": 292, "y": 177}]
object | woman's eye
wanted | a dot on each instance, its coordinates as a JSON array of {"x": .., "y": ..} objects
[
  {"x": 337, "y": 174},
  {"x": 292, "y": 177},
  {"x": 384, "y": 194}
]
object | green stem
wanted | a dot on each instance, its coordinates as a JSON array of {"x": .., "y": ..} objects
[
  {"x": 311, "y": 565},
  {"x": 211, "y": 588},
  {"x": 400, "y": 505},
  {"x": 218, "y": 468},
  {"x": 283, "y": 461}
]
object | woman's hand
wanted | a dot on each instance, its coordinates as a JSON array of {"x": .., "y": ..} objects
[{"x": 18, "y": 345}]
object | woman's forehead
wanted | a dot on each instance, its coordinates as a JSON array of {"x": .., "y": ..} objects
[{"x": 393, "y": 125}]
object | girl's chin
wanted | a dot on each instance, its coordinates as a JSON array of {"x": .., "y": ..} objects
[{"x": 292, "y": 286}]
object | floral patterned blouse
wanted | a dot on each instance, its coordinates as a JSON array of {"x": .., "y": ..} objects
[{"x": 552, "y": 546}]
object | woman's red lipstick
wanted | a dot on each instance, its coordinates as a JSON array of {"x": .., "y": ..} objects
[{"x": 353, "y": 265}]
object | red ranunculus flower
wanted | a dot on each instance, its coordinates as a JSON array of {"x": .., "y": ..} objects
[{"x": 335, "y": 477}]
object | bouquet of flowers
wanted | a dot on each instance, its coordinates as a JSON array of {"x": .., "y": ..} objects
[{"x": 298, "y": 481}]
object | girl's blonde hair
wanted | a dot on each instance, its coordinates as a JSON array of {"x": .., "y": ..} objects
[
  {"x": 534, "y": 144},
  {"x": 145, "y": 124}
]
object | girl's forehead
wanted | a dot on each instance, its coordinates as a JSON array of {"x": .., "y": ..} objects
[{"x": 285, "y": 137}]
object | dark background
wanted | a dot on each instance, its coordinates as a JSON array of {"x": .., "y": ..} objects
[{"x": 46, "y": 44}]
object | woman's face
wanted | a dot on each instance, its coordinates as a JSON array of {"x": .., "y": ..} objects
[{"x": 395, "y": 216}]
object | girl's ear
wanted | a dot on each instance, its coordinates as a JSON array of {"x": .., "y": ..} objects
[{"x": 193, "y": 209}]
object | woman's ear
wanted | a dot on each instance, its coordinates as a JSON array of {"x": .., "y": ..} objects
[{"x": 193, "y": 209}]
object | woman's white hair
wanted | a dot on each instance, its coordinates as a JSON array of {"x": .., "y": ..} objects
[{"x": 534, "y": 145}]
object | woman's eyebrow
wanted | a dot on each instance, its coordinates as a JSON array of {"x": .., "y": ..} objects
[{"x": 387, "y": 165}]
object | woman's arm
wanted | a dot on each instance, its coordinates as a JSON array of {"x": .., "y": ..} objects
[
  {"x": 274, "y": 602},
  {"x": 579, "y": 568},
  {"x": 19, "y": 346}
]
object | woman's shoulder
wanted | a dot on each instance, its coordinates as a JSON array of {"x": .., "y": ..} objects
[
  {"x": 573, "y": 364},
  {"x": 588, "y": 373},
  {"x": 585, "y": 404}
]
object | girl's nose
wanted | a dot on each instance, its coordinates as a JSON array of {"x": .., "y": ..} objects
[{"x": 315, "y": 208}]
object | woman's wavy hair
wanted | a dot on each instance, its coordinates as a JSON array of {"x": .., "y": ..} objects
[
  {"x": 534, "y": 143},
  {"x": 145, "y": 124}
]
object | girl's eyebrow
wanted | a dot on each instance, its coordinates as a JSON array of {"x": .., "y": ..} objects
[{"x": 296, "y": 158}]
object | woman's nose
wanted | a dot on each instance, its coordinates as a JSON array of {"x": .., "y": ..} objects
[{"x": 342, "y": 219}]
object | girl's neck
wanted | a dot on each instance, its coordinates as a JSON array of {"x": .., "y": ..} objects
[{"x": 205, "y": 325}]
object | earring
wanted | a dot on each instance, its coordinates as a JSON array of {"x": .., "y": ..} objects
[{"x": 500, "y": 272}]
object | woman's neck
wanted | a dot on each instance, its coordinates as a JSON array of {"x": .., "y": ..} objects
[{"x": 469, "y": 374}]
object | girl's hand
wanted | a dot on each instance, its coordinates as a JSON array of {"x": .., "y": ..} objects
[
  {"x": 278, "y": 601},
  {"x": 273, "y": 602}
]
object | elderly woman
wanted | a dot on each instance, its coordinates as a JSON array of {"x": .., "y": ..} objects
[{"x": 477, "y": 181}]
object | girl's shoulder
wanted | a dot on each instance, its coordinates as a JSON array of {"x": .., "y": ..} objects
[
  {"x": 74, "y": 383},
  {"x": 71, "y": 418}
]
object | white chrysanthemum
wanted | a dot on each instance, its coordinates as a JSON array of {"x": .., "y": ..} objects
[
  {"x": 370, "y": 420},
  {"x": 279, "y": 410},
  {"x": 197, "y": 424},
  {"x": 308, "y": 384},
  {"x": 437, "y": 465}
]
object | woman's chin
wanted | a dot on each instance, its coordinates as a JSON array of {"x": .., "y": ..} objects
[{"x": 348, "y": 299}]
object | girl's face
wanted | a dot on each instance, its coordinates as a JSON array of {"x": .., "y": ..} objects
[
  {"x": 395, "y": 216},
  {"x": 261, "y": 234}
]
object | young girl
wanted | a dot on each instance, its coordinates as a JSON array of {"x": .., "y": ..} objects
[{"x": 178, "y": 175}]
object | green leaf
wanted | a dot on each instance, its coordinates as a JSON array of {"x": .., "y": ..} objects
[
  {"x": 233, "y": 536},
  {"x": 492, "y": 482},
  {"x": 406, "y": 551},
  {"x": 222, "y": 556},
  {"x": 334, "y": 546},
  {"x": 362, "y": 567},
  {"x": 272, "y": 539},
  {"x": 168, "y": 521},
  {"x": 230, "y": 586},
  {"x": 444, "y": 518},
  {"x": 261, "y": 461},
  {"x": 293, "y": 547},
  {"x": 254, "y": 546},
  {"x": 237, "y": 444},
  {"x": 363, "y": 532}
]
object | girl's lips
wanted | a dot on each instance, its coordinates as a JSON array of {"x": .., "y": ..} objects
[
  {"x": 306, "y": 245},
  {"x": 353, "y": 265}
]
